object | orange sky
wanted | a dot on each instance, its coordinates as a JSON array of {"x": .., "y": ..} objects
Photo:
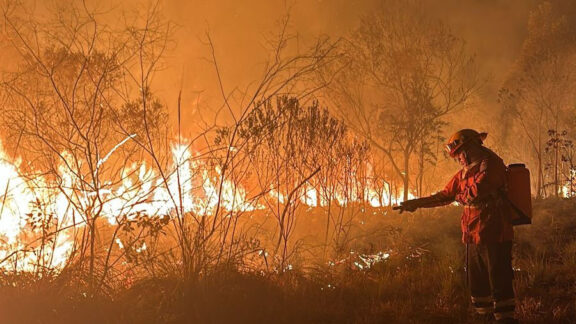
[{"x": 494, "y": 29}]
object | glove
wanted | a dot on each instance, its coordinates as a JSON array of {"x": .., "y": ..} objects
[{"x": 407, "y": 205}]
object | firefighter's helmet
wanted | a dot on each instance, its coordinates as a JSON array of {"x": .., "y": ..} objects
[{"x": 462, "y": 137}]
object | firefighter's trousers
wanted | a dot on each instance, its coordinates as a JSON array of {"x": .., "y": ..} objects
[{"x": 490, "y": 276}]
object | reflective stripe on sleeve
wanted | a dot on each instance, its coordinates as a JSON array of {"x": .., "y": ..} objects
[
  {"x": 504, "y": 303},
  {"x": 482, "y": 305},
  {"x": 502, "y": 315},
  {"x": 504, "y": 308},
  {"x": 486, "y": 299},
  {"x": 484, "y": 310}
]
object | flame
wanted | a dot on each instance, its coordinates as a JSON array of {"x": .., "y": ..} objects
[
  {"x": 24, "y": 220},
  {"x": 567, "y": 190},
  {"x": 33, "y": 207},
  {"x": 310, "y": 197}
]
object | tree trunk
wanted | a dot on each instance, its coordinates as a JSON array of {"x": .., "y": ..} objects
[
  {"x": 421, "y": 171},
  {"x": 556, "y": 182},
  {"x": 539, "y": 193},
  {"x": 405, "y": 175},
  {"x": 540, "y": 171}
]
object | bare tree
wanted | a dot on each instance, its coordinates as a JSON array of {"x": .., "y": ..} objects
[
  {"x": 69, "y": 101},
  {"x": 539, "y": 94},
  {"x": 401, "y": 73}
]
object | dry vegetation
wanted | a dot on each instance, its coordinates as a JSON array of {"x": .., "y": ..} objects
[
  {"x": 420, "y": 282},
  {"x": 275, "y": 205}
]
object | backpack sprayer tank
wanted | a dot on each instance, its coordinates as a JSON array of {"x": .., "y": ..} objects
[{"x": 518, "y": 193}]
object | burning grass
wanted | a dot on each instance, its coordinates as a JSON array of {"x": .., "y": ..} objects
[{"x": 398, "y": 269}]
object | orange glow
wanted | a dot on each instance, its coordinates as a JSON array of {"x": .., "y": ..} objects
[{"x": 191, "y": 186}]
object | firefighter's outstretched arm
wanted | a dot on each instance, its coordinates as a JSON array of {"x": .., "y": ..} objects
[
  {"x": 408, "y": 205},
  {"x": 412, "y": 205},
  {"x": 441, "y": 198}
]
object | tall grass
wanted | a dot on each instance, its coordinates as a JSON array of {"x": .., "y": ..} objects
[{"x": 419, "y": 279}]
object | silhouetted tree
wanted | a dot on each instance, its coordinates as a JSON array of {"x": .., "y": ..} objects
[{"x": 401, "y": 72}]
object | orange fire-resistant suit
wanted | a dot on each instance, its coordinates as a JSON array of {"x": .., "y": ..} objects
[
  {"x": 487, "y": 231},
  {"x": 479, "y": 188}
]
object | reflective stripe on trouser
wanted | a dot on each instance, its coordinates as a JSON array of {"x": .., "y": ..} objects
[
  {"x": 491, "y": 274},
  {"x": 504, "y": 308},
  {"x": 483, "y": 305}
]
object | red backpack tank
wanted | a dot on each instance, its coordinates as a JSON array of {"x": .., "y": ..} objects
[{"x": 518, "y": 193}]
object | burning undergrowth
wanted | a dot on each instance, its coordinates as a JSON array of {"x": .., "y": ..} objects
[
  {"x": 142, "y": 212},
  {"x": 114, "y": 209},
  {"x": 365, "y": 284}
]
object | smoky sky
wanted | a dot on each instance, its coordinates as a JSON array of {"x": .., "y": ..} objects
[{"x": 493, "y": 29}]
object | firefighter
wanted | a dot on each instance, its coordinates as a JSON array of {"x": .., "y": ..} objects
[{"x": 486, "y": 226}]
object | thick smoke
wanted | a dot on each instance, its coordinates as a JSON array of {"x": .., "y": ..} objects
[{"x": 493, "y": 29}]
